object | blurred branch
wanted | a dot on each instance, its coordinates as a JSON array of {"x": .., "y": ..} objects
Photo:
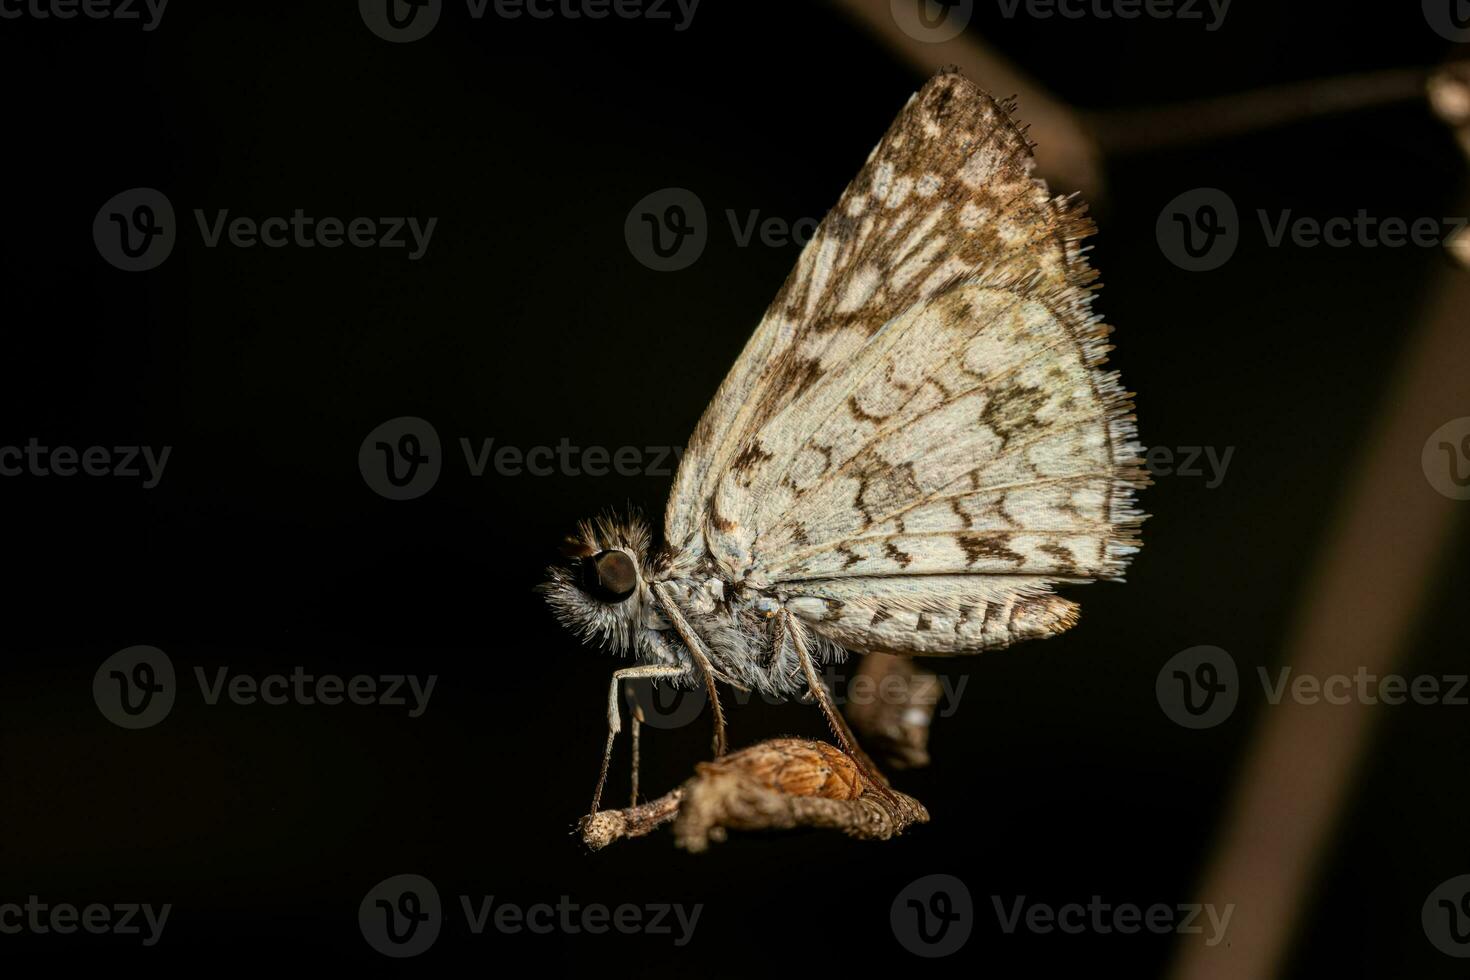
[
  {"x": 894, "y": 725},
  {"x": 1066, "y": 153},
  {"x": 1131, "y": 130},
  {"x": 1449, "y": 95},
  {"x": 1360, "y": 608},
  {"x": 1071, "y": 143},
  {"x": 1369, "y": 589}
]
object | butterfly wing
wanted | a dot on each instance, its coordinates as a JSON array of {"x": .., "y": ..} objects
[{"x": 918, "y": 441}]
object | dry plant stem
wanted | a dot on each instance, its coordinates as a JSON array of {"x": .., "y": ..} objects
[
  {"x": 602, "y": 828},
  {"x": 1131, "y": 130},
  {"x": 774, "y": 785}
]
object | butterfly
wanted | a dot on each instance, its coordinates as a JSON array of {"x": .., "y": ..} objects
[{"x": 915, "y": 447}]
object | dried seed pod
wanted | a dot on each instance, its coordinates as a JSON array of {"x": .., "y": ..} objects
[
  {"x": 894, "y": 725},
  {"x": 775, "y": 785},
  {"x": 794, "y": 766}
]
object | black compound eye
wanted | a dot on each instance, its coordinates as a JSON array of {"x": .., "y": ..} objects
[{"x": 610, "y": 576}]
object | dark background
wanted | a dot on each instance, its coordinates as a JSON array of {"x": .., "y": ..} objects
[{"x": 529, "y": 321}]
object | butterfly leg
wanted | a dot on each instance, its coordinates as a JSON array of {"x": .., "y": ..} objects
[
  {"x": 845, "y": 738},
  {"x": 615, "y": 721},
  {"x": 696, "y": 650},
  {"x": 635, "y": 724}
]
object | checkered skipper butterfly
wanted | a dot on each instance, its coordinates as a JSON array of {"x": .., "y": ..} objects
[{"x": 917, "y": 444}]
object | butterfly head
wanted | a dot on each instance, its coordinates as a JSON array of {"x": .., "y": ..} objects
[{"x": 601, "y": 586}]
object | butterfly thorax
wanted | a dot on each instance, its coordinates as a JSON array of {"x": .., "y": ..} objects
[{"x": 743, "y": 630}]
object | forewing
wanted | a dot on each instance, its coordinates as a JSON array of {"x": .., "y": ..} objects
[
  {"x": 946, "y": 193},
  {"x": 924, "y": 399}
]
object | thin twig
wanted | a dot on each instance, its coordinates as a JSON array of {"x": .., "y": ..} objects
[{"x": 1204, "y": 120}]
